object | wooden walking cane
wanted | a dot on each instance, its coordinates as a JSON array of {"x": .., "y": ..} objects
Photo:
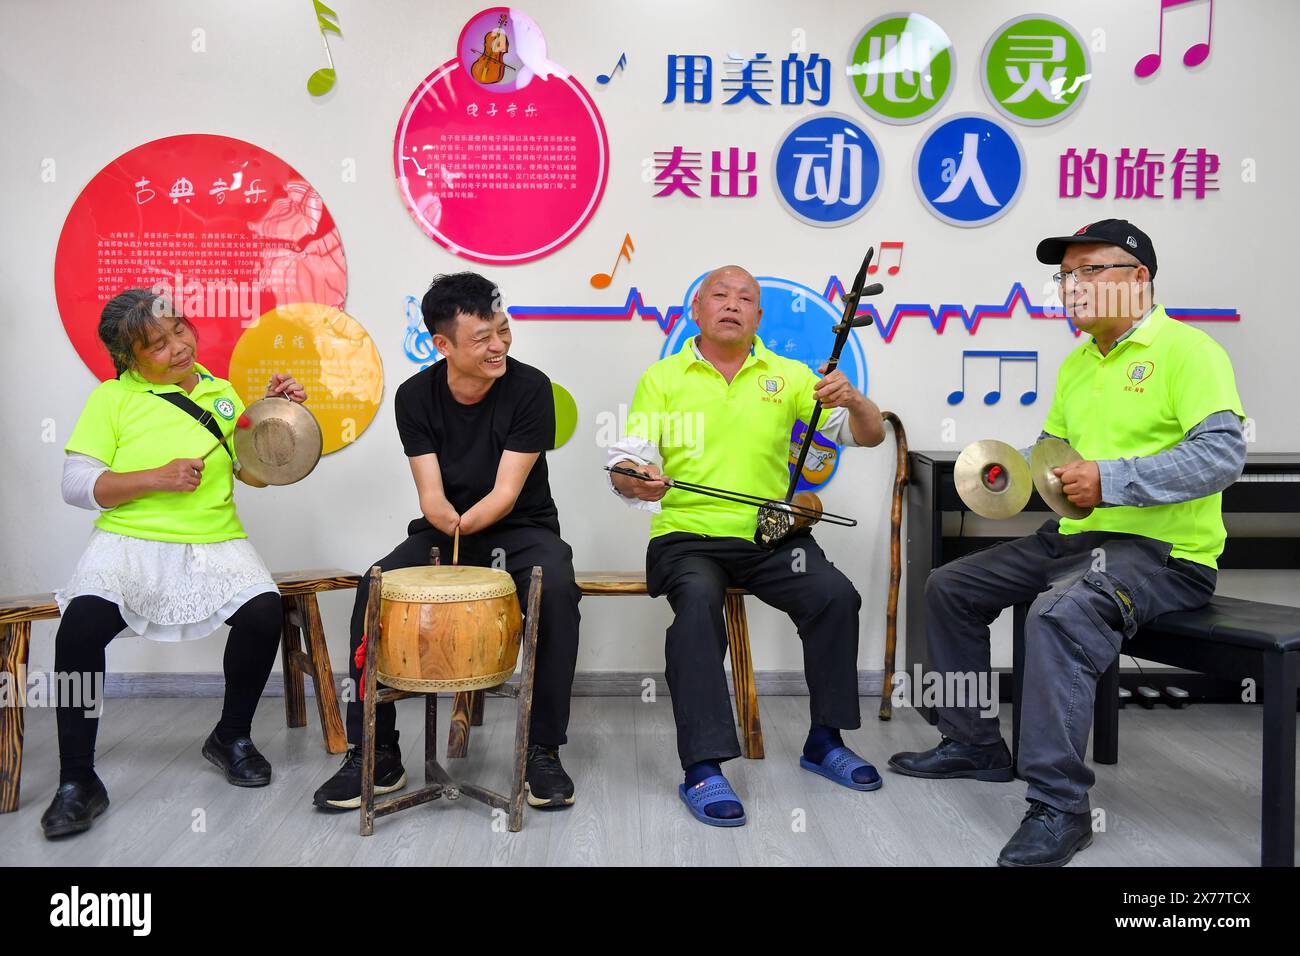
[{"x": 895, "y": 562}]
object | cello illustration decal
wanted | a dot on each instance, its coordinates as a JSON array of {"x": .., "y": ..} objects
[{"x": 491, "y": 66}]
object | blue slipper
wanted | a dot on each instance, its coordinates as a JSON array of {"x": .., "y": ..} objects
[
  {"x": 706, "y": 793},
  {"x": 838, "y": 765}
]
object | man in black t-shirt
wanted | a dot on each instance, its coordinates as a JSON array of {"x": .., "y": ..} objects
[{"x": 476, "y": 427}]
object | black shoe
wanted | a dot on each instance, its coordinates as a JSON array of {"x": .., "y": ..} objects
[
  {"x": 953, "y": 759},
  {"x": 343, "y": 790},
  {"x": 549, "y": 787},
  {"x": 244, "y": 766},
  {"x": 74, "y": 807},
  {"x": 1047, "y": 837}
]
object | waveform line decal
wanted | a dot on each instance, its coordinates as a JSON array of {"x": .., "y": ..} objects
[
  {"x": 971, "y": 320},
  {"x": 634, "y": 306}
]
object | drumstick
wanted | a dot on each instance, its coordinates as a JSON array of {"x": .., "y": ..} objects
[{"x": 455, "y": 547}]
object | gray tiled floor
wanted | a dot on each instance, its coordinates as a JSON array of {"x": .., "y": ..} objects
[{"x": 1186, "y": 792}]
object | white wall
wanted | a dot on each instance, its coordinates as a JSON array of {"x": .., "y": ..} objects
[{"x": 84, "y": 82}]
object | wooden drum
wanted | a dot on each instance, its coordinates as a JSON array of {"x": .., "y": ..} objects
[{"x": 447, "y": 628}]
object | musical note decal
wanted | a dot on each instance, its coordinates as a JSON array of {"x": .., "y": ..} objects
[
  {"x": 887, "y": 247},
  {"x": 1196, "y": 53},
  {"x": 417, "y": 343},
  {"x": 995, "y": 396},
  {"x": 322, "y": 81},
  {"x": 606, "y": 77},
  {"x": 602, "y": 280}
]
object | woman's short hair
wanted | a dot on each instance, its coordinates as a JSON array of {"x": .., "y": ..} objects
[{"x": 129, "y": 318}]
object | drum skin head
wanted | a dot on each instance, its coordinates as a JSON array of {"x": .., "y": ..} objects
[{"x": 445, "y": 583}]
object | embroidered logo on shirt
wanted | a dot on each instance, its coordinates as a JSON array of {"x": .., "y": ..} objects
[
  {"x": 771, "y": 385},
  {"x": 225, "y": 408},
  {"x": 1139, "y": 373}
]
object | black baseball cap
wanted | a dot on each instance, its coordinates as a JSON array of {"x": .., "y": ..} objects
[{"x": 1115, "y": 232}]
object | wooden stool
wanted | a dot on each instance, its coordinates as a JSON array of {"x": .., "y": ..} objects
[
  {"x": 438, "y": 783},
  {"x": 298, "y": 591},
  {"x": 467, "y": 709}
]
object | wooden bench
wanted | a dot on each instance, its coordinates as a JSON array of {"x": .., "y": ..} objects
[
  {"x": 298, "y": 590},
  {"x": 1231, "y": 638},
  {"x": 467, "y": 709}
]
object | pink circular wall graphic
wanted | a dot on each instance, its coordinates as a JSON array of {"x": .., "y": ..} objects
[{"x": 501, "y": 174}]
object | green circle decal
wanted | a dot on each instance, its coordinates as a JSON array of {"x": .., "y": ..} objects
[
  {"x": 901, "y": 68},
  {"x": 1036, "y": 70},
  {"x": 566, "y": 414}
]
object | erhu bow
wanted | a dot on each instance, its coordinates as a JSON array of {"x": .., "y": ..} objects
[
  {"x": 777, "y": 520},
  {"x": 808, "y": 515}
]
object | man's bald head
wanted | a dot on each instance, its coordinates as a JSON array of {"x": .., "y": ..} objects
[
  {"x": 726, "y": 308},
  {"x": 736, "y": 273}
]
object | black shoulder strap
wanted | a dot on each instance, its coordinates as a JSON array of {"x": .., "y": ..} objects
[{"x": 204, "y": 418}]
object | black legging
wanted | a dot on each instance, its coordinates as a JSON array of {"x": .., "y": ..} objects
[{"x": 90, "y": 623}]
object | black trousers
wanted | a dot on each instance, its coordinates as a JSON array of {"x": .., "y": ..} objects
[
  {"x": 557, "y": 627},
  {"x": 90, "y": 623},
  {"x": 695, "y": 571}
]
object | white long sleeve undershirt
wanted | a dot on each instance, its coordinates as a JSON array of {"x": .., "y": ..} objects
[{"x": 80, "y": 472}]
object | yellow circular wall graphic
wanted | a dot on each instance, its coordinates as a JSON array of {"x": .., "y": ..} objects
[{"x": 328, "y": 352}]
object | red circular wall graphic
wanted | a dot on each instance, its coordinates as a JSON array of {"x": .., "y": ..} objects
[{"x": 227, "y": 229}]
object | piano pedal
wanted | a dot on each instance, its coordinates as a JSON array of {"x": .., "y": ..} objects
[
  {"x": 1147, "y": 696},
  {"x": 1125, "y": 695},
  {"x": 1177, "y": 697}
]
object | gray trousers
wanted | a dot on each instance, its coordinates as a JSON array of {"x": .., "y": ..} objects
[{"x": 1090, "y": 591}]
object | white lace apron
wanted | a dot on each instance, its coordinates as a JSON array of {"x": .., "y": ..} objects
[{"x": 168, "y": 590}]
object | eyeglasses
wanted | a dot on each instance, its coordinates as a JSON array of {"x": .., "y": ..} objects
[{"x": 1087, "y": 272}]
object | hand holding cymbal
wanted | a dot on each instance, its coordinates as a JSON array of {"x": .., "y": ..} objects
[{"x": 1070, "y": 485}]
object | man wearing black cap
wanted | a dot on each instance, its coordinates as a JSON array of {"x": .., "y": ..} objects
[{"x": 1151, "y": 404}]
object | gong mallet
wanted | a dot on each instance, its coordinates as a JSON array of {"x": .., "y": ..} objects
[{"x": 242, "y": 422}]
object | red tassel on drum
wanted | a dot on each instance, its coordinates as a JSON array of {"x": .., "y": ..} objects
[{"x": 360, "y": 658}]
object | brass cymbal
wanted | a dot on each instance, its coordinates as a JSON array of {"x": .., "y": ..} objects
[
  {"x": 992, "y": 479},
  {"x": 1048, "y": 454},
  {"x": 282, "y": 442}
]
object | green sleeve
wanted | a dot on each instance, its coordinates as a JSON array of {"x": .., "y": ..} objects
[
  {"x": 95, "y": 433},
  {"x": 1055, "y": 423},
  {"x": 1204, "y": 384},
  {"x": 803, "y": 394},
  {"x": 646, "y": 416}
]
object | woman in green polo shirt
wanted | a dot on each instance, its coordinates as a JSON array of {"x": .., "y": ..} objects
[{"x": 168, "y": 559}]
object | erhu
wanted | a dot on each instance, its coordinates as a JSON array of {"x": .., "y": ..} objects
[{"x": 777, "y": 520}]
